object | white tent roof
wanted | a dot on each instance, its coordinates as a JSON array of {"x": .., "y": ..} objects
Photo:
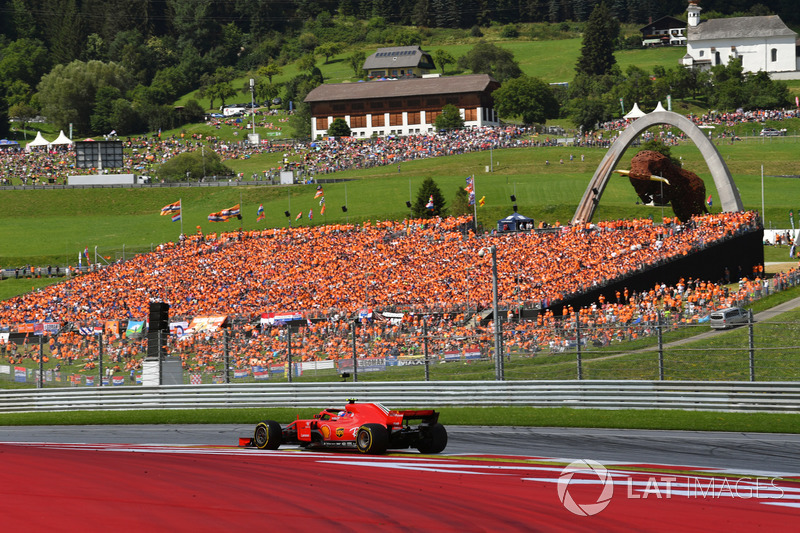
[
  {"x": 659, "y": 107},
  {"x": 38, "y": 141},
  {"x": 635, "y": 112},
  {"x": 62, "y": 139}
]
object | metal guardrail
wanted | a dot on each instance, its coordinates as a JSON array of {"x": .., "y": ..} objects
[{"x": 691, "y": 395}]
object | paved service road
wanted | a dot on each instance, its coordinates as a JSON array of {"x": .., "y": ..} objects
[{"x": 762, "y": 452}]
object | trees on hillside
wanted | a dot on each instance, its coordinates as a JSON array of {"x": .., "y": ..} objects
[
  {"x": 449, "y": 119},
  {"x": 486, "y": 58},
  {"x": 599, "y": 36},
  {"x": 429, "y": 194},
  {"x": 67, "y": 94},
  {"x": 530, "y": 98}
]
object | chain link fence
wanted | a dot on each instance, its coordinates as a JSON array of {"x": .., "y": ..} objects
[{"x": 626, "y": 341}]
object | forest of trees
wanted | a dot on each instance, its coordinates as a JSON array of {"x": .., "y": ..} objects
[{"x": 133, "y": 58}]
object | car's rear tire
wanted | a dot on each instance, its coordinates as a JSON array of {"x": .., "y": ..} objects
[
  {"x": 434, "y": 441},
  {"x": 372, "y": 439},
  {"x": 267, "y": 435}
]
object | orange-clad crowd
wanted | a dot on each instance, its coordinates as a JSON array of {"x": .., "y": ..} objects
[{"x": 412, "y": 268}]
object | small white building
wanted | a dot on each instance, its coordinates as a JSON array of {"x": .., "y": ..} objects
[{"x": 764, "y": 44}]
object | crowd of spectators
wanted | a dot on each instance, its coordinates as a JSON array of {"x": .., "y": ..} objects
[
  {"x": 413, "y": 268},
  {"x": 144, "y": 154}
]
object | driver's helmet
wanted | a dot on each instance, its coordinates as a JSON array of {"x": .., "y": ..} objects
[{"x": 342, "y": 413}]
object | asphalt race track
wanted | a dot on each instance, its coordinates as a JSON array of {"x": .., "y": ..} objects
[{"x": 194, "y": 478}]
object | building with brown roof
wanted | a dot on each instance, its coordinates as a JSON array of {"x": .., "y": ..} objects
[
  {"x": 404, "y": 106},
  {"x": 398, "y": 62}
]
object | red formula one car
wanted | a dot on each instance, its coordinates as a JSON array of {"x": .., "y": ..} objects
[{"x": 369, "y": 427}]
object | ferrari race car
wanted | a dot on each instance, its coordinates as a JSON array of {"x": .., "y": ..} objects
[{"x": 369, "y": 427}]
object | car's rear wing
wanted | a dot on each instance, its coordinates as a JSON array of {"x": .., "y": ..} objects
[{"x": 428, "y": 416}]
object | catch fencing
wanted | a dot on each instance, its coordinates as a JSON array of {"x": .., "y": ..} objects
[{"x": 688, "y": 395}]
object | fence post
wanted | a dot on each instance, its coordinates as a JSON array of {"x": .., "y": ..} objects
[
  {"x": 355, "y": 356},
  {"x": 751, "y": 340},
  {"x": 226, "y": 354},
  {"x": 40, "y": 384},
  {"x": 289, "y": 349},
  {"x": 425, "y": 341},
  {"x": 578, "y": 343},
  {"x": 100, "y": 351},
  {"x": 660, "y": 347}
]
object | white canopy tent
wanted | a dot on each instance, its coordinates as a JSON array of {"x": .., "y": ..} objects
[
  {"x": 62, "y": 139},
  {"x": 38, "y": 141},
  {"x": 659, "y": 108},
  {"x": 635, "y": 113}
]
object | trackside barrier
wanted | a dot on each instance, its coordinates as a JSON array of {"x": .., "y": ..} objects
[{"x": 690, "y": 395}]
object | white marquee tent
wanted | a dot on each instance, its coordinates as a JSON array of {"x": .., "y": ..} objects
[
  {"x": 635, "y": 113},
  {"x": 38, "y": 141},
  {"x": 62, "y": 139}
]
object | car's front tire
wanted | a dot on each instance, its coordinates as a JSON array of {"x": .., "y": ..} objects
[
  {"x": 434, "y": 441},
  {"x": 372, "y": 439},
  {"x": 267, "y": 435}
]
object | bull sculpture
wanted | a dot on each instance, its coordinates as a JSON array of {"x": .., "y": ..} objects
[{"x": 656, "y": 179}]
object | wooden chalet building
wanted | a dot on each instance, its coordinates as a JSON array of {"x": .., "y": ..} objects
[
  {"x": 666, "y": 31},
  {"x": 402, "y": 107},
  {"x": 398, "y": 62}
]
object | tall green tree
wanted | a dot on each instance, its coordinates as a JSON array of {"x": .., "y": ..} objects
[
  {"x": 339, "y": 128},
  {"x": 486, "y": 58},
  {"x": 67, "y": 93},
  {"x": 427, "y": 191},
  {"x": 597, "y": 50},
  {"x": 442, "y": 58},
  {"x": 449, "y": 119},
  {"x": 460, "y": 204},
  {"x": 356, "y": 62},
  {"x": 526, "y": 97}
]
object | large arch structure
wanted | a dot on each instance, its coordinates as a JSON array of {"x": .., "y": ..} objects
[{"x": 726, "y": 188}]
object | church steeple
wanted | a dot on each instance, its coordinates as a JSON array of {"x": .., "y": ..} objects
[{"x": 694, "y": 13}]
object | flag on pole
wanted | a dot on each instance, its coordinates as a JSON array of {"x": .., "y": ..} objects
[
  {"x": 217, "y": 217},
  {"x": 319, "y": 191},
  {"x": 470, "y": 188},
  {"x": 708, "y": 200},
  {"x": 232, "y": 212},
  {"x": 429, "y": 205},
  {"x": 177, "y": 216},
  {"x": 260, "y": 213},
  {"x": 482, "y": 201},
  {"x": 322, "y": 209},
  {"x": 299, "y": 216},
  {"x": 310, "y": 214},
  {"x": 86, "y": 254},
  {"x": 167, "y": 209}
]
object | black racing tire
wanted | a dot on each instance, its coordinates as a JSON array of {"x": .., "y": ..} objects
[
  {"x": 372, "y": 439},
  {"x": 267, "y": 435},
  {"x": 434, "y": 441}
]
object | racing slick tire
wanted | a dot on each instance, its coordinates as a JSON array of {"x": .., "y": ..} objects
[
  {"x": 372, "y": 439},
  {"x": 267, "y": 435},
  {"x": 435, "y": 441}
]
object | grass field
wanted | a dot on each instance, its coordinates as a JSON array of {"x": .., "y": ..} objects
[
  {"x": 58, "y": 224},
  {"x": 481, "y": 416}
]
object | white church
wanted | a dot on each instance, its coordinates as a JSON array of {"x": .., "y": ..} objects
[{"x": 763, "y": 43}]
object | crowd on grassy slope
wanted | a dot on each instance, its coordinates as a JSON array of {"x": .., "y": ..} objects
[
  {"x": 417, "y": 268},
  {"x": 143, "y": 154}
]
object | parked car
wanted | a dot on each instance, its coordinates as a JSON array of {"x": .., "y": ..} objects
[
  {"x": 729, "y": 317},
  {"x": 772, "y": 132}
]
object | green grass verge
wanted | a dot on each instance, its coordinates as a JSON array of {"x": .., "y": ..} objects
[
  {"x": 477, "y": 416},
  {"x": 58, "y": 224}
]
